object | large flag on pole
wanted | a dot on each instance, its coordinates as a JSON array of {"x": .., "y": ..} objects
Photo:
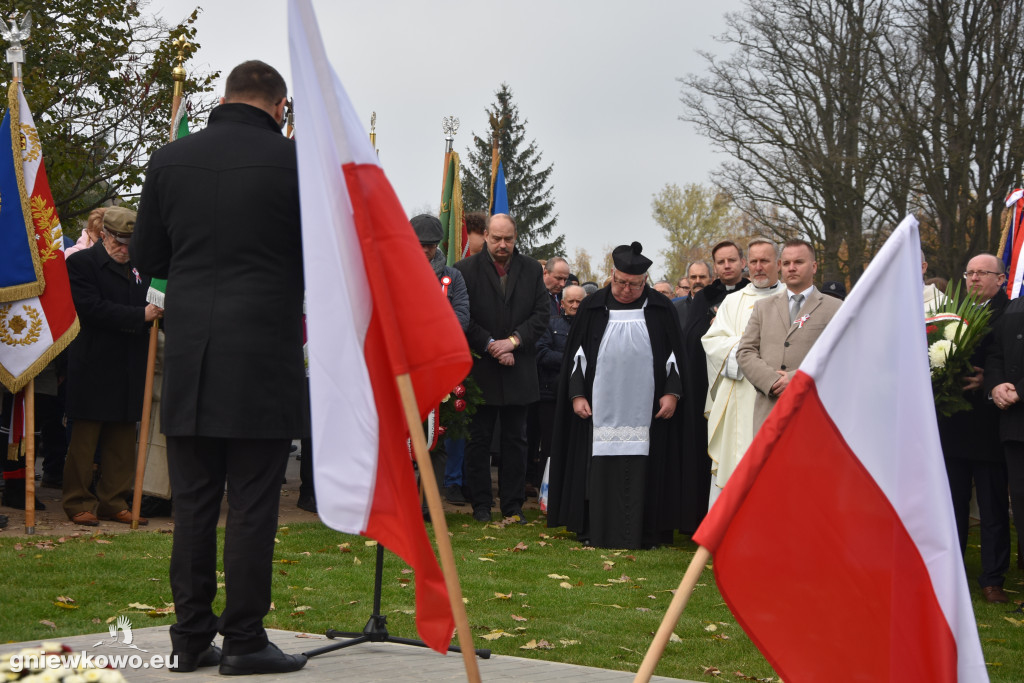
[
  {"x": 834, "y": 542},
  {"x": 361, "y": 259},
  {"x": 35, "y": 328},
  {"x": 1013, "y": 258}
]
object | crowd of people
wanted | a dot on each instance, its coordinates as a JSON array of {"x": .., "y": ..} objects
[{"x": 634, "y": 402}]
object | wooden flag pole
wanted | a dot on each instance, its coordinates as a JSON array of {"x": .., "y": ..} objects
[
  {"x": 178, "y": 74},
  {"x": 444, "y": 546},
  {"x": 675, "y": 610},
  {"x": 147, "y": 410},
  {"x": 30, "y": 456}
]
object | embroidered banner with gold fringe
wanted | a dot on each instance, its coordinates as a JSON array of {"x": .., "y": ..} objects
[{"x": 34, "y": 329}]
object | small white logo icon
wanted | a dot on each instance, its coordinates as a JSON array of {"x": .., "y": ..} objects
[{"x": 124, "y": 625}]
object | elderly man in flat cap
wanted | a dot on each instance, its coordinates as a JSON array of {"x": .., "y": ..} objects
[
  {"x": 614, "y": 473},
  {"x": 447, "y": 465},
  {"x": 106, "y": 373}
]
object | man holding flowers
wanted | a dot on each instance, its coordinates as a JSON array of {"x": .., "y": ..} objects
[{"x": 970, "y": 442}]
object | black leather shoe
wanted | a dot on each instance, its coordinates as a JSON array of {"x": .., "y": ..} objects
[
  {"x": 307, "y": 503},
  {"x": 190, "y": 661},
  {"x": 482, "y": 514},
  {"x": 269, "y": 660}
]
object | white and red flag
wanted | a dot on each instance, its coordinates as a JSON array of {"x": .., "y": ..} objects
[
  {"x": 834, "y": 543},
  {"x": 36, "y": 327},
  {"x": 374, "y": 311}
]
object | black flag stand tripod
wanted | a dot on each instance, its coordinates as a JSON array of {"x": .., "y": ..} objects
[{"x": 376, "y": 630}]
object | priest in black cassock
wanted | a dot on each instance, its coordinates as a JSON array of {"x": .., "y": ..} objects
[{"x": 615, "y": 473}]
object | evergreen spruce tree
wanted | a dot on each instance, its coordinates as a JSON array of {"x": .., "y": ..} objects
[{"x": 530, "y": 197}]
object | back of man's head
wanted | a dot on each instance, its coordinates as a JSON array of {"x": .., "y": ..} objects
[{"x": 255, "y": 82}]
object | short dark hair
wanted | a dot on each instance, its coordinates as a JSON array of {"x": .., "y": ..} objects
[
  {"x": 476, "y": 221},
  {"x": 257, "y": 81},
  {"x": 722, "y": 245},
  {"x": 797, "y": 242}
]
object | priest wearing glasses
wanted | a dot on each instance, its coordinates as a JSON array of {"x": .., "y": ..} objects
[{"x": 615, "y": 476}]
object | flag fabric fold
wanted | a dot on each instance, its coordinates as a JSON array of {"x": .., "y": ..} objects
[
  {"x": 34, "y": 329},
  {"x": 455, "y": 243},
  {"x": 1013, "y": 260},
  {"x": 21, "y": 268},
  {"x": 361, "y": 259},
  {"x": 834, "y": 542},
  {"x": 499, "y": 191}
]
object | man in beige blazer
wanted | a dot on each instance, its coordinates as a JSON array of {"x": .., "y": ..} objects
[{"x": 783, "y": 327}]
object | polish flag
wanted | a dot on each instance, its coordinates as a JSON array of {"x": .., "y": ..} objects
[
  {"x": 375, "y": 310},
  {"x": 834, "y": 542}
]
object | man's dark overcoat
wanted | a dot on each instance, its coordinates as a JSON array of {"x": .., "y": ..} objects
[
  {"x": 522, "y": 308},
  {"x": 1005, "y": 363},
  {"x": 107, "y": 360},
  {"x": 233, "y": 365},
  {"x": 572, "y": 442},
  {"x": 696, "y": 462}
]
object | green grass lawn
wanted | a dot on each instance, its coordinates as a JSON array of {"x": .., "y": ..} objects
[{"x": 600, "y": 608}]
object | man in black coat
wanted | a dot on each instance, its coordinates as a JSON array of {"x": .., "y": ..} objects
[
  {"x": 106, "y": 373},
  {"x": 971, "y": 447},
  {"x": 219, "y": 218},
  {"x": 1004, "y": 382},
  {"x": 508, "y": 305},
  {"x": 729, "y": 264}
]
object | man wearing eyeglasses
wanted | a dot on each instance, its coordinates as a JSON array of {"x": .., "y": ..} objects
[
  {"x": 106, "y": 373},
  {"x": 971, "y": 445},
  {"x": 614, "y": 473},
  {"x": 508, "y": 312}
]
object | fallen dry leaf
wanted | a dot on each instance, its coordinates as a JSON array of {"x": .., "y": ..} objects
[
  {"x": 485, "y": 559},
  {"x": 65, "y": 599},
  {"x": 139, "y": 605},
  {"x": 47, "y": 622},
  {"x": 567, "y": 643},
  {"x": 557, "y": 576},
  {"x": 516, "y": 617},
  {"x": 520, "y": 547},
  {"x": 673, "y": 638},
  {"x": 537, "y": 645},
  {"x": 542, "y": 543},
  {"x": 712, "y": 671},
  {"x": 370, "y": 544},
  {"x": 607, "y": 566},
  {"x": 503, "y": 596},
  {"x": 720, "y": 636},
  {"x": 285, "y": 561},
  {"x": 711, "y": 627},
  {"x": 407, "y": 571},
  {"x": 356, "y": 560},
  {"x": 104, "y": 541},
  {"x": 565, "y": 584}
]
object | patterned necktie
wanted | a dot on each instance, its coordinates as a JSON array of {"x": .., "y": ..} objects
[{"x": 794, "y": 306}]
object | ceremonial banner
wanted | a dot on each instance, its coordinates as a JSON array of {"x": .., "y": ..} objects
[
  {"x": 34, "y": 329},
  {"x": 361, "y": 259},
  {"x": 455, "y": 243},
  {"x": 1013, "y": 260},
  {"x": 834, "y": 541},
  {"x": 499, "y": 193}
]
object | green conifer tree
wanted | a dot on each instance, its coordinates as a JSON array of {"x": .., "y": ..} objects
[{"x": 530, "y": 195}]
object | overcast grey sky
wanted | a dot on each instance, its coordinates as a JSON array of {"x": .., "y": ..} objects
[{"x": 596, "y": 82}]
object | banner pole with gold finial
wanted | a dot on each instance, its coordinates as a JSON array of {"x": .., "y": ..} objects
[
  {"x": 179, "y": 74},
  {"x": 16, "y": 33}
]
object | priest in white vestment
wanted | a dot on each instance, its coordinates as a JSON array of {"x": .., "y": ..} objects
[{"x": 730, "y": 400}]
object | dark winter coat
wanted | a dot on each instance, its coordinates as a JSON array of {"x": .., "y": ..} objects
[
  {"x": 107, "y": 360},
  {"x": 219, "y": 218},
  {"x": 1005, "y": 363},
  {"x": 522, "y": 309},
  {"x": 550, "y": 349}
]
